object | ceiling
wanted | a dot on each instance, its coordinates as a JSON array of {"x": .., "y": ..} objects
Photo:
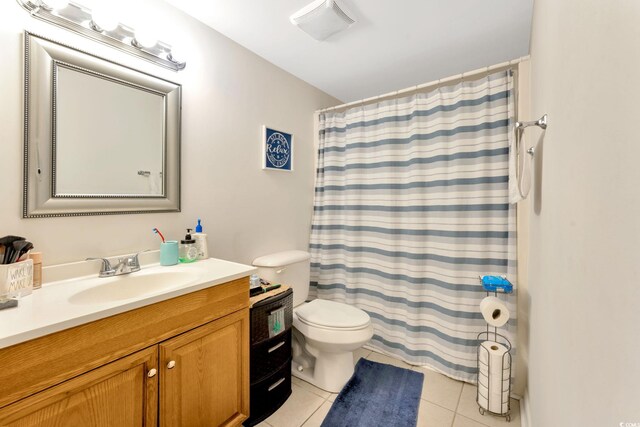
[{"x": 393, "y": 44}]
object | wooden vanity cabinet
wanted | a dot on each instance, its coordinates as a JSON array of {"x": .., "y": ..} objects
[
  {"x": 202, "y": 379},
  {"x": 193, "y": 373},
  {"x": 120, "y": 393}
]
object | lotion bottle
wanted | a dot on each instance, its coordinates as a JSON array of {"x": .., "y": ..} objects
[
  {"x": 37, "y": 269},
  {"x": 201, "y": 242}
]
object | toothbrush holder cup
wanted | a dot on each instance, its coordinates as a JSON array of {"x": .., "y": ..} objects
[{"x": 169, "y": 252}]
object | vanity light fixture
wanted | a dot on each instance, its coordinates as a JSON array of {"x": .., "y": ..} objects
[
  {"x": 103, "y": 25},
  {"x": 55, "y": 4}
]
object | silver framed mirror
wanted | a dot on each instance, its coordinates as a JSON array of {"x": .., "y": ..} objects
[{"x": 100, "y": 138}]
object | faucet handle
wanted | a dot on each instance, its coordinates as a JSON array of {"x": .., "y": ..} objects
[
  {"x": 106, "y": 268},
  {"x": 133, "y": 260}
]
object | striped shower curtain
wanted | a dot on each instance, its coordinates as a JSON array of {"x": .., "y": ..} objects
[{"x": 411, "y": 206}]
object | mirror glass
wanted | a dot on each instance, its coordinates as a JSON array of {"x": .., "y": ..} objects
[
  {"x": 95, "y": 157},
  {"x": 100, "y": 138}
]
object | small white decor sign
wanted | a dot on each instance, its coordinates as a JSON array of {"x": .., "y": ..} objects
[{"x": 16, "y": 279}]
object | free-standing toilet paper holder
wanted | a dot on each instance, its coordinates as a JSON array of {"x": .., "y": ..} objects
[{"x": 494, "y": 285}]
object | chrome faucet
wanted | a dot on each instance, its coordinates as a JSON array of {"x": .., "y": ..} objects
[{"x": 125, "y": 265}]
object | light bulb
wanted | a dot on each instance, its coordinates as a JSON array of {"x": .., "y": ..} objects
[
  {"x": 177, "y": 53},
  {"x": 146, "y": 38},
  {"x": 55, "y": 4},
  {"x": 104, "y": 17}
]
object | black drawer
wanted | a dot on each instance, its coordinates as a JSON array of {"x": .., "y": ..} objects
[
  {"x": 261, "y": 311},
  {"x": 269, "y": 394},
  {"x": 270, "y": 355}
]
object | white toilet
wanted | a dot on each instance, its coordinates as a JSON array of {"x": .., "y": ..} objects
[{"x": 325, "y": 333}]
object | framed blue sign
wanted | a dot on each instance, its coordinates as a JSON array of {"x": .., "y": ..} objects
[{"x": 277, "y": 150}]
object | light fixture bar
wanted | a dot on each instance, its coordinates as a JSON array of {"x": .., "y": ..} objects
[{"x": 77, "y": 18}]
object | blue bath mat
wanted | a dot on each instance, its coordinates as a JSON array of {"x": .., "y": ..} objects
[{"x": 377, "y": 395}]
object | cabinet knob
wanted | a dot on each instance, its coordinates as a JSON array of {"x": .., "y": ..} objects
[
  {"x": 171, "y": 364},
  {"x": 152, "y": 373}
]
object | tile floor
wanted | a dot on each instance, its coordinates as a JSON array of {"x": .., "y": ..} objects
[{"x": 444, "y": 403}]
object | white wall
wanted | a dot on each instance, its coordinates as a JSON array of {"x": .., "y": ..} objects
[
  {"x": 228, "y": 94},
  {"x": 584, "y": 359}
]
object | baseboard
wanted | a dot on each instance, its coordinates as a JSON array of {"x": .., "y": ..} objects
[{"x": 525, "y": 410}]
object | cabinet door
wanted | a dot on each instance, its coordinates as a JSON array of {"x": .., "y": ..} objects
[
  {"x": 205, "y": 374},
  {"x": 120, "y": 394}
]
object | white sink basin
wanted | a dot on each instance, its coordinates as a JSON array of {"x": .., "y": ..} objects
[{"x": 131, "y": 286}]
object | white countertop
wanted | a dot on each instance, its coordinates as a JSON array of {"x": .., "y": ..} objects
[{"x": 51, "y": 308}]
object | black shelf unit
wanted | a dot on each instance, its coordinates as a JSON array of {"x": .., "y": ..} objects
[{"x": 270, "y": 358}]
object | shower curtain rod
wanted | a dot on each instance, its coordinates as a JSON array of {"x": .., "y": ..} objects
[{"x": 430, "y": 85}]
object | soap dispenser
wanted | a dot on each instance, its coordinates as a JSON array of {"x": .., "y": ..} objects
[{"x": 188, "y": 249}]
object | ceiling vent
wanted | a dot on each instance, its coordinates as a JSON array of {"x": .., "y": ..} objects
[{"x": 322, "y": 18}]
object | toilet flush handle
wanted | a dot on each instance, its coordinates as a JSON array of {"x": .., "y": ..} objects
[{"x": 281, "y": 270}]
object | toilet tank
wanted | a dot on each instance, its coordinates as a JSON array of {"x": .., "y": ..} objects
[{"x": 288, "y": 268}]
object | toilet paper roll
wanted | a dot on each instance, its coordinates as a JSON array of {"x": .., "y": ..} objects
[
  {"x": 493, "y": 377},
  {"x": 497, "y": 406},
  {"x": 494, "y": 311}
]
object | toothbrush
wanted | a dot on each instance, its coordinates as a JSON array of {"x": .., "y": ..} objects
[{"x": 155, "y": 230}]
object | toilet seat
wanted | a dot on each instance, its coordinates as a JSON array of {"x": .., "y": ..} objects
[{"x": 332, "y": 315}]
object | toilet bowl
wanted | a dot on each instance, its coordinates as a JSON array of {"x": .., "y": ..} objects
[{"x": 325, "y": 333}]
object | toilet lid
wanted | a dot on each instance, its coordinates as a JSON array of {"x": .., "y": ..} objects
[{"x": 330, "y": 314}]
